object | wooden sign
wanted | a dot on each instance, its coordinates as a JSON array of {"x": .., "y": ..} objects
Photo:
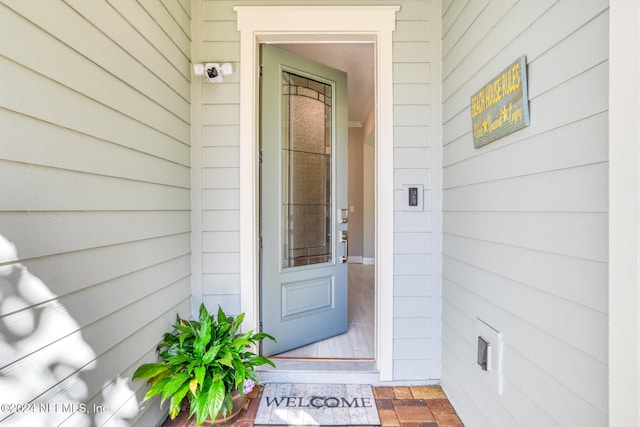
[{"x": 501, "y": 107}]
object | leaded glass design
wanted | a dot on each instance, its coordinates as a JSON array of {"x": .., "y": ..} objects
[{"x": 306, "y": 171}]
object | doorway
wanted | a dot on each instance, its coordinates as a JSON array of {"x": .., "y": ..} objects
[
  {"x": 375, "y": 24},
  {"x": 357, "y": 341},
  {"x": 303, "y": 200}
]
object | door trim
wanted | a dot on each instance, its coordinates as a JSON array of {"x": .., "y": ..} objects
[
  {"x": 624, "y": 208},
  {"x": 260, "y": 24}
]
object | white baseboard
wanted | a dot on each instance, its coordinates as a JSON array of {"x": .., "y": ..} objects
[
  {"x": 368, "y": 261},
  {"x": 355, "y": 260}
]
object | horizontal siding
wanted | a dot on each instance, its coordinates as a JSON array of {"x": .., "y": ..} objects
[
  {"x": 567, "y": 277},
  {"x": 159, "y": 33},
  {"x": 580, "y": 188},
  {"x": 75, "y": 111},
  {"x": 120, "y": 96},
  {"x": 416, "y": 345},
  {"x": 217, "y": 270},
  {"x": 581, "y": 146},
  {"x": 102, "y": 263},
  {"x": 95, "y": 203},
  {"x": 39, "y": 234},
  {"x": 526, "y": 217},
  {"x": 45, "y": 144},
  {"x": 71, "y": 190}
]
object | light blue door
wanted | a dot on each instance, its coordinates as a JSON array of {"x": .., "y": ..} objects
[{"x": 303, "y": 200}]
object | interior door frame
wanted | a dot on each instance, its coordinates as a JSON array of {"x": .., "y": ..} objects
[{"x": 322, "y": 24}]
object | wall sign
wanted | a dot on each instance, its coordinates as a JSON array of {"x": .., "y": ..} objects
[{"x": 501, "y": 107}]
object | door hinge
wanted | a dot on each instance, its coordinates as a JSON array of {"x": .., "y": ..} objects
[
  {"x": 260, "y": 157},
  {"x": 260, "y": 72},
  {"x": 260, "y": 243},
  {"x": 260, "y": 326}
]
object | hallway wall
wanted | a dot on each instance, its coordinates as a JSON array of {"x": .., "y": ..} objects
[
  {"x": 525, "y": 217},
  {"x": 356, "y": 186}
]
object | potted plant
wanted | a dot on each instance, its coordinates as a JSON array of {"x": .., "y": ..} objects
[{"x": 205, "y": 363}]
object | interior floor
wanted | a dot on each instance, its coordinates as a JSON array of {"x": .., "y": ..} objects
[{"x": 358, "y": 341}]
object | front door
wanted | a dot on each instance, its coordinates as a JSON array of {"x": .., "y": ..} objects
[{"x": 303, "y": 200}]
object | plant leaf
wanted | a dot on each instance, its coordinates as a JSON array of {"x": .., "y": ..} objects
[
  {"x": 193, "y": 386},
  {"x": 226, "y": 360},
  {"x": 259, "y": 361},
  {"x": 235, "y": 325},
  {"x": 176, "y": 401},
  {"x": 174, "y": 384},
  {"x": 240, "y": 374},
  {"x": 261, "y": 335},
  {"x": 222, "y": 318},
  {"x": 156, "y": 388},
  {"x": 203, "y": 314},
  {"x": 202, "y": 338},
  {"x": 211, "y": 354},
  {"x": 199, "y": 372},
  {"x": 202, "y": 408},
  {"x": 203, "y": 333},
  {"x": 240, "y": 343},
  {"x": 215, "y": 398},
  {"x": 150, "y": 370}
]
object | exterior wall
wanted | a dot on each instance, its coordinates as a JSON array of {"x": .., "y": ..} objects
[
  {"x": 216, "y": 139},
  {"x": 525, "y": 217},
  {"x": 94, "y": 202},
  {"x": 417, "y": 324}
]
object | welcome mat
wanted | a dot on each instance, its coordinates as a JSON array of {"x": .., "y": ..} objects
[{"x": 317, "y": 405}]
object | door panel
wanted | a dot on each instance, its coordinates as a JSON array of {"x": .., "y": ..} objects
[
  {"x": 303, "y": 188},
  {"x": 307, "y": 297}
]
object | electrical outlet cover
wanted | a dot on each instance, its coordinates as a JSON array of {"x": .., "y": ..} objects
[{"x": 493, "y": 374}]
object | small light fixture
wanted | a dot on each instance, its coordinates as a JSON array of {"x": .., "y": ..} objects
[{"x": 213, "y": 71}]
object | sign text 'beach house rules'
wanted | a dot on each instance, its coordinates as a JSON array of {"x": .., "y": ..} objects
[{"x": 501, "y": 107}]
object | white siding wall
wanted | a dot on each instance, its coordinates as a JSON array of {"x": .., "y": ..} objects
[
  {"x": 216, "y": 162},
  {"x": 216, "y": 180},
  {"x": 416, "y": 328},
  {"x": 94, "y": 199},
  {"x": 525, "y": 217}
]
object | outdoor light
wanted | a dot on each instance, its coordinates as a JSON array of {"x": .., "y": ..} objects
[{"x": 213, "y": 71}]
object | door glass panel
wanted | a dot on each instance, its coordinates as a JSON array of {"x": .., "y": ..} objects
[{"x": 306, "y": 171}]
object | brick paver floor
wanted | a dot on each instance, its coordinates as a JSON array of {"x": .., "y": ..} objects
[{"x": 415, "y": 406}]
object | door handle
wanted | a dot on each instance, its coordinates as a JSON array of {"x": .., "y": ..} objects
[
  {"x": 344, "y": 216},
  {"x": 344, "y": 238}
]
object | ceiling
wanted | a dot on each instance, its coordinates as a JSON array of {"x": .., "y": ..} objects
[{"x": 356, "y": 59}]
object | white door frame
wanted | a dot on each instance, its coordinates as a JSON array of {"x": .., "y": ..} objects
[
  {"x": 375, "y": 24},
  {"x": 624, "y": 211}
]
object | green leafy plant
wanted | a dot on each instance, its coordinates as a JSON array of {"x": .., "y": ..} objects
[{"x": 204, "y": 361}]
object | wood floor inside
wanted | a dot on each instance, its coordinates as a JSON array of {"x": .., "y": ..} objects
[{"x": 358, "y": 341}]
